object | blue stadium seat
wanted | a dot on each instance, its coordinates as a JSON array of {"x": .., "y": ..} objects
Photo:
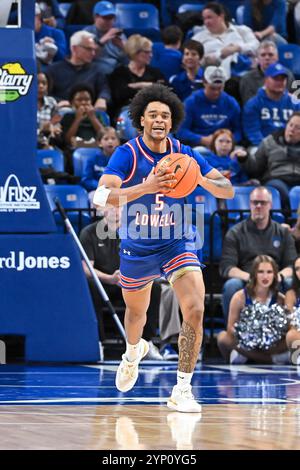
[
  {"x": 138, "y": 18},
  {"x": 80, "y": 156},
  {"x": 64, "y": 7},
  {"x": 50, "y": 158},
  {"x": 167, "y": 60},
  {"x": 198, "y": 198},
  {"x": 289, "y": 56},
  {"x": 71, "y": 197},
  {"x": 190, "y": 7},
  {"x": 241, "y": 201},
  {"x": 295, "y": 200},
  {"x": 169, "y": 8}
]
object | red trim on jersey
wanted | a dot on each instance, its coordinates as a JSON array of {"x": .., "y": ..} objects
[
  {"x": 134, "y": 163},
  {"x": 148, "y": 157},
  {"x": 187, "y": 261},
  {"x": 188, "y": 254}
]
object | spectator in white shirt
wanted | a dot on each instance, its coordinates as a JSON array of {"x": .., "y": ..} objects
[{"x": 223, "y": 41}]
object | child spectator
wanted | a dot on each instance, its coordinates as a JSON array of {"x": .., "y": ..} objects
[
  {"x": 93, "y": 167},
  {"x": 84, "y": 121},
  {"x": 223, "y": 156}
]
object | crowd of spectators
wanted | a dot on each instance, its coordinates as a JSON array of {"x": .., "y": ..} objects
[{"x": 241, "y": 107}]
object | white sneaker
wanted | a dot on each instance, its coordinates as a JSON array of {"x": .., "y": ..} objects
[
  {"x": 183, "y": 400},
  {"x": 237, "y": 358},
  {"x": 128, "y": 372}
]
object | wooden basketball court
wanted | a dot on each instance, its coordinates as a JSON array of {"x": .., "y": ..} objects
[{"x": 78, "y": 407}]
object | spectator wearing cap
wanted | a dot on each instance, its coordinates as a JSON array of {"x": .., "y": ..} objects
[
  {"x": 210, "y": 109},
  {"x": 50, "y": 42},
  {"x": 267, "y": 54},
  {"x": 270, "y": 109},
  {"x": 277, "y": 160},
  {"x": 109, "y": 39},
  {"x": 191, "y": 77},
  {"x": 79, "y": 68}
]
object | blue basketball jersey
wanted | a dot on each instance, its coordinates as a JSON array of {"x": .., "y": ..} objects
[{"x": 153, "y": 221}]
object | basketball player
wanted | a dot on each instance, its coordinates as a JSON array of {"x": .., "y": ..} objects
[{"x": 151, "y": 246}]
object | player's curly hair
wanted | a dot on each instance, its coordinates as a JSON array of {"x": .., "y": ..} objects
[{"x": 156, "y": 92}]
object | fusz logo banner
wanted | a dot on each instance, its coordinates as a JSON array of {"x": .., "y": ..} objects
[
  {"x": 14, "y": 82},
  {"x": 14, "y": 197}
]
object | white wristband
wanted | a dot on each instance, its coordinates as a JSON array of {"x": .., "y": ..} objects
[{"x": 101, "y": 196}]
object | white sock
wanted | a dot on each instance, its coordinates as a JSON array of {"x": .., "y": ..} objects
[
  {"x": 183, "y": 378},
  {"x": 132, "y": 351}
]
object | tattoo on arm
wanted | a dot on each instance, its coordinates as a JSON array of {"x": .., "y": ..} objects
[
  {"x": 187, "y": 345},
  {"x": 220, "y": 182}
]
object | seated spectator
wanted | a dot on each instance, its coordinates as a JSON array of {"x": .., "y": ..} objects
[
  {"x": 84, "y": 121},
  {"x": 277, "y": 160},
  {"x": 270, "y": 108},
  {"x": 127, "y": 80},
  {"x": 208, "y": 110},
  {"x": 267, "y": 18},
  {"x": 79, "y": 68},
  {"x": 258, "y": 234},
  {"x": 292, "y": 301},
  {"x": 101, "y": 243},
  {"x": 51, "y": 14},
  {"x": 93, "y": 168},
  {"x": 261, "y": 290},
  {"x": 250, "y": 83},
  {"x": 168, "y": 56},
  {"x": 109, "y": 39},
  {"x": 48, "y": 119},
  {"x": 191, "y": 78},
  {"x": 50, "y": 42},
  {"x": 225, "y": 44},
  {"x": 223, "y": 157}
]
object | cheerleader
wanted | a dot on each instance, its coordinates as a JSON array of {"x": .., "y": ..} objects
[
  {"x": 292, "y": 301},
  {"x": 258, "y": 342}
]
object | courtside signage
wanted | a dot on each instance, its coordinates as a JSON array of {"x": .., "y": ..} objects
[
  {"x": 14, "y": 82},
  {"x": 17, "y": 198},
  {"x": 21, "y": 261}
]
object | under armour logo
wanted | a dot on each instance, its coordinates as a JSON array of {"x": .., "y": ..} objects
[{"x": 126, "y": 252}]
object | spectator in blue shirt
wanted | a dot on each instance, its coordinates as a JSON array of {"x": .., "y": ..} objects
[
  {"x": 208, "y": 110},
  {"x": 270, "y": 109},
  {"x": 224, "y": 157},
  {"x": 267, "y": 18},
  {"x": 167, "y": 55},
  {"x": 47, "y": 36},
  {"x": 93, "y": 167},
  {"x": 191, "y": 78}
]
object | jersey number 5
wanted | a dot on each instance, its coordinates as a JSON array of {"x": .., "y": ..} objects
[{"x": 159, "y": 202}]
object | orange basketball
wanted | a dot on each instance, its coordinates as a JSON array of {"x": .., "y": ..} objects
[{"x": 186, "y": 170}]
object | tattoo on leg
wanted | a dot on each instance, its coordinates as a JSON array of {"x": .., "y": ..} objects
[{"x": 187, "y": 345}]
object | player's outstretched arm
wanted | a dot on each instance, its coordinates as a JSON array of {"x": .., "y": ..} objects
[
  {"x": 216, "y": 184},
  {"x": 109, "y": 191}
]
